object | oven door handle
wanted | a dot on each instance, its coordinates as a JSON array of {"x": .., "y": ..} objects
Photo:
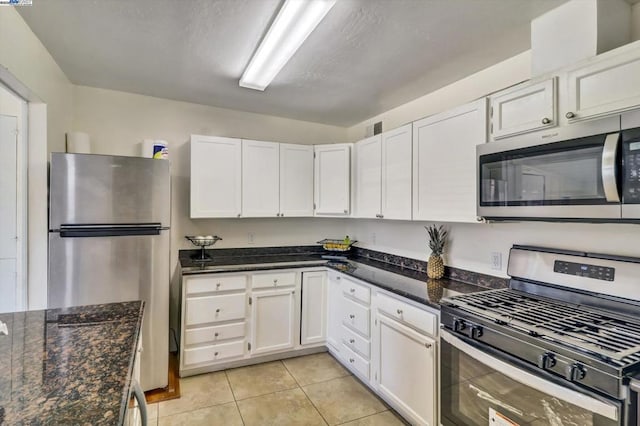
[
  {"x": 562, "y": 393},
  {"x": 609, "y": 168}
]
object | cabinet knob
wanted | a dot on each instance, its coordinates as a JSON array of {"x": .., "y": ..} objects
[
  {"x": 278, "y": 214},
  {"x": 352, "y": 316},
  {"x": 352, "y": 341},
  {"x": 239, "y": 214},
  {"x": 399, "y": 311},
  {"x": 215, "y": 334},
  {"x": 215, "y": 354},
  {"x": 546, "y": 121},
  {"x": 338, "y": 278},
  {"x": 570, "y": 115},
  {"x": 428, "y": 345},
  {"x": 281, "y": 214},
  {"x": 275, "y": 281},
  {"x": 351, "y": 360},
  {"x": 352, "y": 290},
  {"x": 217, "y": 285},
  {"x": 218, "y": 311},
  {"x": 346, "y": 211}
]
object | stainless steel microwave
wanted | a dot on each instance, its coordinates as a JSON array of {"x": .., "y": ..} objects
[{"x": 589, "y": 178}]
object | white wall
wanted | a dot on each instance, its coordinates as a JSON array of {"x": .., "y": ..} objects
[{"x": 118, "y": 121}]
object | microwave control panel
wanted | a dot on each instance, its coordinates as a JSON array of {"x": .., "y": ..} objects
[
  {"x": 583, "y": 270},
  {"x": 631, "y": 180}
]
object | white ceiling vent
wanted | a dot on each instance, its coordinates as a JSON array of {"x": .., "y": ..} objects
[{"x": 578, "y": 30}]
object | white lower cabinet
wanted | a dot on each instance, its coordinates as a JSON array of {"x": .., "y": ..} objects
[
  {"x": 273, "y": 320},
  {"x": 313, "y": 324},
  {"x": 405, "y": 371}
]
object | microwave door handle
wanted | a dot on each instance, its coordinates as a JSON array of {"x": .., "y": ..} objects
[
  {"x": 609, "y": 168},
  {"x": 538, "y": 383}
]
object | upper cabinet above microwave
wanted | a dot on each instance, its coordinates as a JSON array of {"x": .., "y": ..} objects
[{"x": 524, "y": 108}]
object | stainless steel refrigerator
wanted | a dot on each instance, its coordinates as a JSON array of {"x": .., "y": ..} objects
[{"x": 109, "y": 242}]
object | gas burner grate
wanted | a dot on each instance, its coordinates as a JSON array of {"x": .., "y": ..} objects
[{"x": 602, "y": 333}]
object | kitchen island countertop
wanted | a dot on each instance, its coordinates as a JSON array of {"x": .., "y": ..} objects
[{"x": 68, "y": 366}]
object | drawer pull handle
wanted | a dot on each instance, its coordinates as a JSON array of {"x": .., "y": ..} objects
[
  {"x": 352, "y": 341},
  {"x": 399, "y": 311},
  {"x": 215, "y": 354},
  {"x": 351, "y": 360},
  {"x": 218, "y": 311},
  {"x": 352, "y": 290},
  {"x": 216, "y": 334},
  {"x": 352, "y": 316}
]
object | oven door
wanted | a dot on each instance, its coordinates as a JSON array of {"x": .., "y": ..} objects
[
  {"x": 480, "y": 389},
  {"x": 573, "y": 179}
]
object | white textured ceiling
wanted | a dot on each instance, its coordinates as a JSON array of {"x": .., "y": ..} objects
[{"x": 366, "y": 57}]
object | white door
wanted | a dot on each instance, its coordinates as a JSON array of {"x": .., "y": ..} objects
[
  {"x": 523, "y": 109},
  {"x": 406, "y": 370},
  {"x": 296, "y": 180},
  {"x": 396, "y": 173},
  {"x": 368, "y": 177},
  {"x": 216, "y": 178},
  {"x": 273, "y": 321},
  {"x": 260, "y": 179},
  {"x": 334, "y": 311},
  {"x": 314, "y": 308},
  {"x": 8, "y": 214},
  {"x": 604, "y": 87},
  {"x": 444, "y": 163},
  {"x": 332, "y": 179}
]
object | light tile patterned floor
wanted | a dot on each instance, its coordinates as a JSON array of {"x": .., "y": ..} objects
[{"x": 309, "y": 390}]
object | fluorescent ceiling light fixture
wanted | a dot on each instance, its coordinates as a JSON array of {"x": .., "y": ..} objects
[{"x": 295, "y": 21}]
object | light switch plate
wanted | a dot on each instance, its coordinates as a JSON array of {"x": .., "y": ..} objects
[{"x": 496, "y": 261}]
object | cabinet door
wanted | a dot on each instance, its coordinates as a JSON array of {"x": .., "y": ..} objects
[
  {"x": 216, "y": 179},
  {"x": 523, "y": 109},
  {"x": 260, "y": 179},
  {"x": 296, "y": 180},
  {"x": 444, "y": 163},
  {"x": 368, "y": 177},
  {"x": 334, "y": 311},
  {"x": 406, "y": 370},
  {"x": 606, "y": 86},
  {"x": 314, "y": 308},
  {"x": 332, "y": 179},
  {"x": 273, "y": 321},
  {"x": 396, "y": 173}
]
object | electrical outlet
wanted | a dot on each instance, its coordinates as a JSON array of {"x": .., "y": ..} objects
[
  {"x": 496, "y": 260},
  {"x": 251, "y": 237},
  {"x": 373, "y": 238}
]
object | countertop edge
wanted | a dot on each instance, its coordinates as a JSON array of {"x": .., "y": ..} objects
[{"x": 126, "y": 391}]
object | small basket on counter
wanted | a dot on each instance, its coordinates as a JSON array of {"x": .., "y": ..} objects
[
  {"x": 203, "y": 242},
  {"x": 338, "y": 249}
]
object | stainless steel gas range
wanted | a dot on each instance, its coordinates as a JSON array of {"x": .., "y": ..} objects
[{"x": 559, "y": 347}]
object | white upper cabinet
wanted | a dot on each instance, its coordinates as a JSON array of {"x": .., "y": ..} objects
[
  {"x": 216, "y": 178},
  {"x": 444, "y": 163},
  {"x": 368, "y": 177},
  {"x": 383, "y": 175},
  {"x": 396, "y": 173},
  {"x": 605, "y": 85},
  {"x": 332, "y": 179},
  {"x": 260, "y": 178},
  {"x": 296, "y": 180},
  {"x": 523, "y": 108}
]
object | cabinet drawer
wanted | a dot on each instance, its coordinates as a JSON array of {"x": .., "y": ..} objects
[
  {"x": 356, "y": 317},
  {"x": 214, "y": 283},
  {"x": 355, "y": 362},
  {"x": 213, "y": 353},
  {"x": 356, "y": 342},
  {"x": 214, "y": 334},
  {"x": 357, "y": 291},
  {"x": 403, "y": 312},
  {"x": 202, "y": 310},
  {"x": 280, "y": 279}
]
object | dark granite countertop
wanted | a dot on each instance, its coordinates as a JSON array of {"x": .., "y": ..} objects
[
  {"x": 70, "y": 366},
  {"x": 402, "y": 276}
]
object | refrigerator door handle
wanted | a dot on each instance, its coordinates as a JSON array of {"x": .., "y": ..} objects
[{"x": 79, "y": 231}]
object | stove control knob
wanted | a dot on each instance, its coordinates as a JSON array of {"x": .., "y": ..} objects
[
  {"x": 476, "y": 332},
  {"x": 575, "y": 372},
  {"x": 546, "y": 360},
  {"x": 459, "y": 325}
]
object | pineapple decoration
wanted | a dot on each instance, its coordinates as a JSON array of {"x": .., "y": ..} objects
[{"x": 437, "y": 240}]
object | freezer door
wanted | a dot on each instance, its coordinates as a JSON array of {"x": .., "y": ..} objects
[
  {"x": 92, "y": 189},
  {"x": 93, "y": 270}
]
